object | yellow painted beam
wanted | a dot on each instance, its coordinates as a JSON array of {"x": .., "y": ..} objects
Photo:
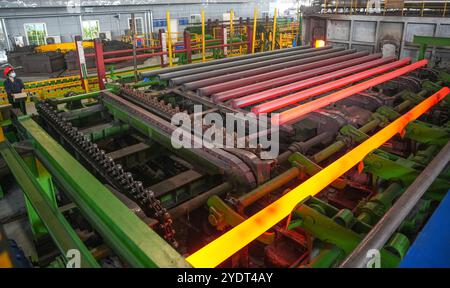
[
  {"x": 274, "y": 29},
  {"x": 255, "y": 20},
  {"x": 203, "y": 37},
  {"x": 169, "y": 38},
  {"x": 231, "y": 23}
]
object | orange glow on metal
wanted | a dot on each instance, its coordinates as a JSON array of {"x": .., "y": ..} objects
[
  {"x": 319, "y": 43},
  {"x": 292, "y": 115},
  {"x": 232, "y": 241}
]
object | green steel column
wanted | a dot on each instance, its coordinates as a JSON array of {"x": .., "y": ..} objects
[
  {"x": 422, "y": 50},
  {"x": 45, "y": 181}
]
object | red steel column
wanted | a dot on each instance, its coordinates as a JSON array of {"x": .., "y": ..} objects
[
  {"x": 306, "y": 94},
  {"x": 296, "y": 86},
  {"x": 249, "y": 39},
  {"x": 187, "y": 45},
  {"x": 100, "y": 62},
  {"x": 294, "y": 114}
]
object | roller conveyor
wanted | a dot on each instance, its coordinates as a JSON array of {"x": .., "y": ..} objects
[{"x": 352, "y": 131}]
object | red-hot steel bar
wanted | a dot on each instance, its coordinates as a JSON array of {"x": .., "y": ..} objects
[
  {"x": 306, "y": 94},
  {"x": 296, "y": 86},
  {"x": 294, "y": 114}
]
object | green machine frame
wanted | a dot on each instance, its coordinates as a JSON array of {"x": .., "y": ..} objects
[{"x": 424, "y": 41}]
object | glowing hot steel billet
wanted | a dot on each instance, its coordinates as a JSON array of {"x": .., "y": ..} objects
[
  {"x": 294, "y": 114},
  {"x": 310, "y": 82},
  {"x": 320, "y": 89},
  {"x": 232, "y": 241}
]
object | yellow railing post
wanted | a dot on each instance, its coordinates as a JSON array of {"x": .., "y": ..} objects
[
  {"x": 231, "y": 23},
  {"x": 325, "y": 6},
  {"x": 2, "y": 136},
  {"x": 280, "y": 39},
  {"x": 255, "y": 15},
  {"x": 445, "y": 8},
  {"x": 385, "y": 6},
  {"x": 203, "y": 37},
  {"x": 274, "y": 28},
  {"x": 169, "y": 38},
  {"x": 336, "y": 7},
  {"x": 423, "y": 7}
]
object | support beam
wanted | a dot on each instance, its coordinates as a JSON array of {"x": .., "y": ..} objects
[
  {"x": 231, "y": 242},
  {"x": 100, "y": 63}
]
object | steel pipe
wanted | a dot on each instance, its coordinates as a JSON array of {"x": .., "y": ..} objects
[
  {"x": 268, "y": 187},
  {"x": 235, "y": 239},
  {"x": 340, "y": 144},
  {"x": 294, "y": 114},
  {"x": 242, "y": 83},
  {"x": 389, "y": 223},
  {"x": 303, "y": 147},
  {"x": 219, "y": 61},
  {"x": 296, "y": 86},
  {"x": 197, "y": 70},
  {"x": 321, "y": 89},
  {"x": 233, "y": 73}
]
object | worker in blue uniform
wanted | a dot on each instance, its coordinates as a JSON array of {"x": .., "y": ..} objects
[{"x": 14, "y": 85}]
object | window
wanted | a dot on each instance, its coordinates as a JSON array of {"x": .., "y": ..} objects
[
  {"x": 3, "y": 43},
  {"x": 195, "y": 19},
  {"x": 36, "y": 33},
  {"x": 139, "y": 25},
  {"x": 91, "y": 29}
]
